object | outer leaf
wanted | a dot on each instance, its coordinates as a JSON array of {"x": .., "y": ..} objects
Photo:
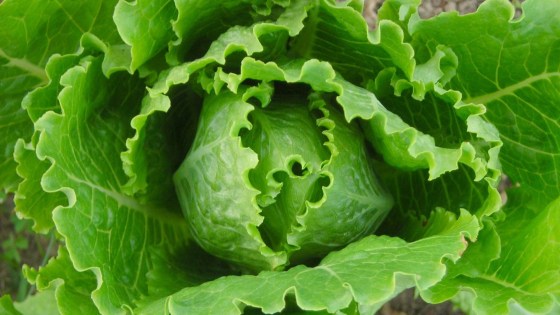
[
  {"x": 513, "y": 68},
  {"x": 71, "y": 289},
  {"x": 7, "y": 306},
  {"x": 135, "y": 162},
  {"x": 417, "y": 197},
  {"x": 30, "y": 199},
  {"x": 105, "y": 230},
  {"x": 176, "y": 269},
  {"x": 24, "y": 52},
  {"x": 334, "y": 26},
  {"x": 44, "y": 99},
  {"x": 369, "y": 271},
  {"x": 42, "y": 303},
  {"x": 195, "y": 25},
  {"x": 527, "y": 272}
]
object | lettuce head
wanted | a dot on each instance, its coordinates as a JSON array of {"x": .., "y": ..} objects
[{"x": 282, "y": 156}]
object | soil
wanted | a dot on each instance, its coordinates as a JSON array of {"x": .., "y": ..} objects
[
  {"x": 7, "y": 280},
  {"x": 32, "y": 254},
  {"x": 407, "y": 303}
]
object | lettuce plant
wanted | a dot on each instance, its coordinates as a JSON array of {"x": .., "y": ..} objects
[{"x": 265, "y": 156}]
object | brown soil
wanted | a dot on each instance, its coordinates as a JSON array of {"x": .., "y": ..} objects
[{"x": 34, "y": 254}]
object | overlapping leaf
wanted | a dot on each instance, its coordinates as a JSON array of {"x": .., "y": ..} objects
[
  {"x": 32, "y": 37},
  {"x": 116, "y": 229},
  {"x": 72, "y": 289},
  {"x": 369, "y": 271},
  {"x": 526, "y": 273},
  {"x": 514, "y": 70},
  {"x": 105, "y": 148},
  {"x": 357, "y": 102}
]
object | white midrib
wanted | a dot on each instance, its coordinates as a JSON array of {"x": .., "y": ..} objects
[
  {"x": 487, "y": 98},
  {"x": 25, "y": 65},
  {"x": 130, "y": 202}
]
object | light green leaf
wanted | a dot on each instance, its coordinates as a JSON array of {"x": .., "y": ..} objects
[
  {"x": 105, "y": 230},
  {"x": 7, "y": 306},
  {"x": 196, "y": 27},
  {"x": 24, "y": 53},
  {"x": 42, "y": 303},
  {"x": 67, "y": 288},
  {"x": 369, "y": 271},
  {"x": 145, "y": 26},
  {"x": 527, "y": 271},
  {"x": 30, "y": 199},
  {"x": 514, "y": 70}
]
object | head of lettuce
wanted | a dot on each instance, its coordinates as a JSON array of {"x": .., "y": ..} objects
[{"x": 286, "y": 179}]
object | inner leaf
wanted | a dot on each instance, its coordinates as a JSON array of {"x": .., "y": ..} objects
[{"x": 291, "y": 151}]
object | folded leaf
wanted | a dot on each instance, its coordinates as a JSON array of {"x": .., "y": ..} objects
[
  {"x": 99, "y": 216},
  {"x": 24, "y": 52},
  {"x": 71, "y": 288},
  {"x": 513, "y": 69},
  {"x": 369, "y": 271},
  {"x": 527, "y": 272}
]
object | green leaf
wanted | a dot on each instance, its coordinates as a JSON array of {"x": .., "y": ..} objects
[
  {"x": 31, "y": 201},
  {"x": 145, "y": 26},
  {"x": 195, "y": 26},
  {"x": 14, "y": 124},
  {"x": 7, "y": 306},
  {"x": 105, "y": 230},
  {"x": 172, "y": 271},
  {"x": 24, "y": 53},
  {"x": 44, "y": 98},
  {"x": 513, "y": 69},
  {"x": 333, "y": 26},
  {"x": 217, "y": 157},
  {"x": 70, "y": 289},
  {"x": 369, "y": 271},
  {"x": 527, "y": 272},
  {"x": 31, "y": 169},
  {"x": 38, "y": 304}
]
